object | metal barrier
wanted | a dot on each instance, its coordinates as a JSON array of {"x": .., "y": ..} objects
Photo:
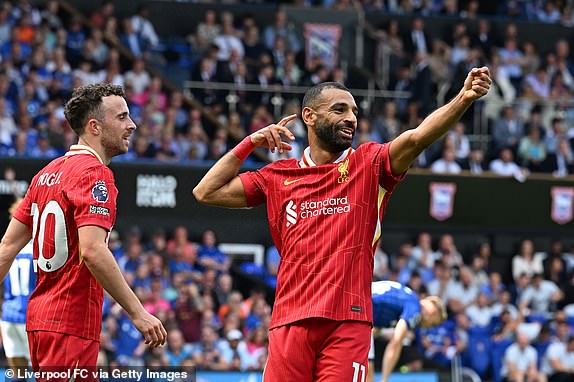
[{"x": 368, "y": 96}]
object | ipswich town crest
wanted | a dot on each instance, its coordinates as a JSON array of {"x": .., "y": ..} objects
[
  {"x": 562, "y": 198},
  {"x": 442, "y": 200}
]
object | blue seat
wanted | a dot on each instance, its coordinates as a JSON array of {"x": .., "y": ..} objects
[
  {"x": 252, "y": 269},
  {"x": 537, "y": 317}
]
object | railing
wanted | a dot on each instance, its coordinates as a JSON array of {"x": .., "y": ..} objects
[
  {"x": 279, "y": 92},
  {"x": 487, "y": 110}
]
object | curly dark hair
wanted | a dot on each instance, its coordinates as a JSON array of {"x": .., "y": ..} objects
[{"x": 86, "y": 103}]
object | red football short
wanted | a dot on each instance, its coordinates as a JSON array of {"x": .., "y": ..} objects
[
  {"x": 318, "y": 350},
  {"x": 58, "y": 352}
]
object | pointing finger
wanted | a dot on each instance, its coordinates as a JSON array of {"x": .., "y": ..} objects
[{"x": 287, "y": 119}]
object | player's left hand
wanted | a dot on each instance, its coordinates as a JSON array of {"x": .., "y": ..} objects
[
  {"x": 152, "y": 329},
  {"x": 477, "y": 84}
]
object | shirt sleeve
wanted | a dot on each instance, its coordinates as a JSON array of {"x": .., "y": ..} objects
[
  {"x": 254, "y": 186},
  {"x": 24, "y": 211},
  {"x": 93, "y": 197},
  {"x": 412, "y": 315},
  {"x": 382, "y": 157}
]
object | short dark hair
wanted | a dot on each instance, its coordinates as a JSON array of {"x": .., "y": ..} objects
[
  {"x": 86, "y": 103},
  {"x": 313, "y": 93}
]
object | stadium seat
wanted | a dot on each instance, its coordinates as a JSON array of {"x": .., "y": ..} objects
[
  {"x": 537, "y": 317},
  {"x": 253, "y": 269}
]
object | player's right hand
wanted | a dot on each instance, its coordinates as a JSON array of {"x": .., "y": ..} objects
[
  {"x": 152, "y": 329},
  {"x": 270, "y": 136}
]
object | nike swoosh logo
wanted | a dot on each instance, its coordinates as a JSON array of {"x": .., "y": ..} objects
[{"x": 288, "y": 182}]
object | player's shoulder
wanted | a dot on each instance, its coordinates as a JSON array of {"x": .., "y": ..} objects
[
  {"x": 368, "y": 150},
  {"x": 83, "y": 165},
  {"x": 282, "y": 164},
  {"x": 370, "y": 146}
]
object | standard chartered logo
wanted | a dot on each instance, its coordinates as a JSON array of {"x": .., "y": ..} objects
[
  {"x": 291, "y": 213},
  {"x": 314, "y": 208}
]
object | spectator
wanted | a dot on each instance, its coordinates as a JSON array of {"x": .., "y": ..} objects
[
  {"x": 100, "y": 16},
  {"x": 511, "y": 59},
  {"x": 448, "y": 252},
  {"x": 460, "y": 141},
  {"x": 549, "y": 13},
  {"x": 505, "y": 166},
  {"x": 439, "y": 345},
  {"x": 561, "y": 163},
  {"x": 442, "y": 285},
  {"x": 177, "y": 350},
  {"x": 526, "y": 261},
  {"x": 209, "y": 256},
  {"x": 257, "y": 348},
  {"x": 189, "y": 309},
  {"x": 206, "y": 354},
  {"x": 558, "y": 362},
  {"x": 466, "y": 294},
  {"x": 531, "y": 150},
  {"x": 520, "y": 362},
  {"x": 207, "y": 31},
  {"x": 142, "y": 25},
  {"x": 540, "y": 297},
  {"x": 7, "y": 125},
  {"x": 138, "y": 78},
  {"x": 234, "y": 351},
  {"x": 228, "y": 41},
  {"x": 539, "y": 81},
  {"x": 283, "y": 29},
  {"x": 475, "y": 162},
  {"x": 447, "y": 163},
  {"x": 131, "y": 39},
  {"x": 417, "y": 40},
  {"x": 507, "y": 130},
  {"x": 480, "y": 313},
  {"x": 423, "y": 252}
]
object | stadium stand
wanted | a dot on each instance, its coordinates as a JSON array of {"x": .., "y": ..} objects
[{"x": 245, "y": 73}]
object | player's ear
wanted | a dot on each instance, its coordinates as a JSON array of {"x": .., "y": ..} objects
[
  {"x": 93, "y": 127},
  {"x": 308, "y": 115}
]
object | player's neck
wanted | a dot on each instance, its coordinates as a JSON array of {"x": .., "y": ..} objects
[
  {"x": 97, "y": 148},
  {"x": 320, "y": 156}
]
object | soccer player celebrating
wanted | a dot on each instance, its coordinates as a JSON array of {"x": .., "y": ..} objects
[
  {"x": 398, "y": 306},
  {"x": 17, "y": 289},
  {"x": 68, "y": 212},
  {"x": 324, "y": 213}
]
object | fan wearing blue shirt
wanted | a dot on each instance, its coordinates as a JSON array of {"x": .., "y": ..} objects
[{"x": 396, "y": 306}]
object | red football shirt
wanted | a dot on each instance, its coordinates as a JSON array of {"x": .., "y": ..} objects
[
  {"x": 326, "y": 222},
  {"x": 70, "y": 192}
]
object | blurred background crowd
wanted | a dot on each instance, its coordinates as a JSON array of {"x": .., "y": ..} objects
[{"x": 46, "y": 51}]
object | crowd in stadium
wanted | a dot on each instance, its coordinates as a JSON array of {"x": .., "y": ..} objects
[
  {"x": 189, "y": 286},
  {"x": 43, "y": 58}
]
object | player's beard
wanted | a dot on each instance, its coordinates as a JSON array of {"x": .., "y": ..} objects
[
  {"x": 329, "y": 137},
  {"x": 113, "y": 145}
]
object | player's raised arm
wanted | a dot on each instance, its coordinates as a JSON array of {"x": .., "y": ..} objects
[
  {"x": 393, "y": 349},
  {"x": 407, "y": 146},
  {"x": 221, "y": 186}
]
